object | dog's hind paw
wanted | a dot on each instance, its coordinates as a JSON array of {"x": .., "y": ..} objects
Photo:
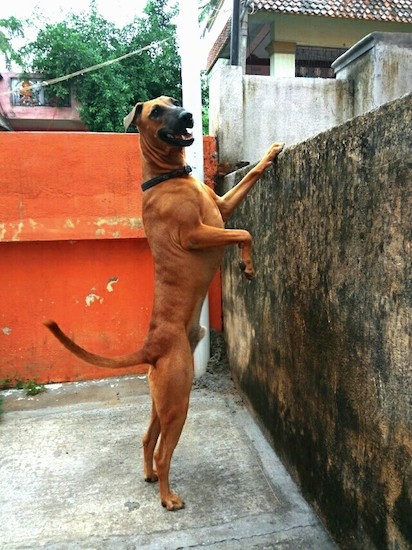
[
  {"x": 152, "y": 478},
  {"x": 172, "y": 502}
]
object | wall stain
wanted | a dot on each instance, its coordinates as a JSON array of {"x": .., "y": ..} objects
[
  {"x": 110, "y": 283},
  {"x": 92, "y": 297},
  {"x": 326, "y": 360}
]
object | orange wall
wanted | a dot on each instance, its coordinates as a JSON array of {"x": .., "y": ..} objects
[
  {"x": 73, "y": 249},
  {"x": 69, "y": 186}
]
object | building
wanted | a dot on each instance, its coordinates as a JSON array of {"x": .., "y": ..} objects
[
  {"x": 288, "y": 38},
  {"x": 26, "y": 106}
]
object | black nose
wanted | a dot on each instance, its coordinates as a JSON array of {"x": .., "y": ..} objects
[{"x": 186, "y": 118}]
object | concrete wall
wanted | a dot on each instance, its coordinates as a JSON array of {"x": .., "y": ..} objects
[
  {"x": 247, "y": 113},
  {"x": 290, "y": 110},
  {"x": 379, "y": 69},
  {"x": 320, "y": 343},
  {"x": 73, "y": 249}
]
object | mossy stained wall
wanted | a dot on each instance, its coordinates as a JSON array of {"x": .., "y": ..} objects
[{"x": 320, "y": 343}]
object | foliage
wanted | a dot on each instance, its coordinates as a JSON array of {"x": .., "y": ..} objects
[
  {"x": 30, "y": 387},
  {"x": 108, "y": 94},
  {"x": 208, "y": 10},
  {"x": 205, "y": 102},
  {"x": 12, "y": 28},
  {"x": 7, "y": 383}
]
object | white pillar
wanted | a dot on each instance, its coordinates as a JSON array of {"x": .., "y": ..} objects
[
  {"x": 189, "y": 44},
  {"x": 282, "y": 59}
]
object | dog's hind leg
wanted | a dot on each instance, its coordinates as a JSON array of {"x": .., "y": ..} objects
[
  {"x": 149, "y": 444},
  {"x": 170, "y": 384}
]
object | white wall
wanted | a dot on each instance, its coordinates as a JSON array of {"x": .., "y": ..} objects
[
  {"x": 329, "y": 32},
  {"x": 248, "y": 113},
  {"x": 290, "y": 110},
  {"x": 379, "y": 67}
]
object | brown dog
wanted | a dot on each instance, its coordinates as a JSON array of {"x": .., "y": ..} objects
[{"x": 184, "y": 224}]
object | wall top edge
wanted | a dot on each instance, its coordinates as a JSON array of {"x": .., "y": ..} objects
[{"x": 369, "y": 42}]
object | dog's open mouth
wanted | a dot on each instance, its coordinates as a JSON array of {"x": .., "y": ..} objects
[{"x": 174, "y": 139}]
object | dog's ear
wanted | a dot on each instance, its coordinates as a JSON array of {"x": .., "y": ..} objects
[{"x": 132, "y": 117}]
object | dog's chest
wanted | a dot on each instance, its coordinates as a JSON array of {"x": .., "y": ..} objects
[{"x": 173, "y": 202}]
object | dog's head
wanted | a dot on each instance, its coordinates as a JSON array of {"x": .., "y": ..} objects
[{"x": 163, "y": 118}]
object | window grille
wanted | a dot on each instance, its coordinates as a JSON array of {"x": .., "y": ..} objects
[
  {"x": 28, "y": 92},
  {"x": 315, "y": 61}
]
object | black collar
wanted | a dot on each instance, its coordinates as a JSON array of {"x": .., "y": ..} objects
[{"x": 169, "y": 175}]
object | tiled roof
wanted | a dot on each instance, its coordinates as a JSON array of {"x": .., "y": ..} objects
[
  {"x": 218, "y": 46},
  {"x": 399, "y": 11}
]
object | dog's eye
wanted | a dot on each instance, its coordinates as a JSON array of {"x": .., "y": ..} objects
[
  {"x": 156, "y": 112},
  {"x": 176, "y": 103}
]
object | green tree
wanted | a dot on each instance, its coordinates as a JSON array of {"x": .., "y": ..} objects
[
  {"x": 12, "y": 28},
  {"x": 160, "y": 68},
  {"x": 106, "y": 95},
  {"x": 208, "y": 10}
]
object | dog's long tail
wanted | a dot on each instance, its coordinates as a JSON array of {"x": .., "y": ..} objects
[{"x": 136, "y": 358}]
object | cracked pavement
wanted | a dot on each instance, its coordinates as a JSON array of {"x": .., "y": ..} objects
[{"x": 71, "y": 475}]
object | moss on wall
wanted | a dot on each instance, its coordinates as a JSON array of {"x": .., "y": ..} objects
[{"x": 320, "y": 343}]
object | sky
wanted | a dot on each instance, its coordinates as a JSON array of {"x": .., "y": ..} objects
[{"x": 119, "y": 11}]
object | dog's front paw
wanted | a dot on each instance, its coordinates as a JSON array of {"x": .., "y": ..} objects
[
  {"x": 273, "y": 152},
  {"x": 275, "y": 149},
  {"x": 270, "y": 155},
  {"x": 248, "y": 270}
]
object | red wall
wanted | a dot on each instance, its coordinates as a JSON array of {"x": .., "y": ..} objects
[{"x": 70, "y": 224}]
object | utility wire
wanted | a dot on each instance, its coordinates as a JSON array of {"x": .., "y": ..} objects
[{"x": 92, "y": 68}]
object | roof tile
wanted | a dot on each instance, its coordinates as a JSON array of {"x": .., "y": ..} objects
[{"x": 399, "y": 11}]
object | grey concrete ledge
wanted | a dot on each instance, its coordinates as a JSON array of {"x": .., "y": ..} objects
[{"x": 369, "y": 42}]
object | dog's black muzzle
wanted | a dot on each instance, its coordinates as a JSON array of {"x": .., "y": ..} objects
[{"x": 175, "y": 130}]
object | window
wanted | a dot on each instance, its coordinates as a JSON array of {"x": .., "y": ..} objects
[
  {"x": 316, "y": 62},
  {"x": 29, "y": 92}
]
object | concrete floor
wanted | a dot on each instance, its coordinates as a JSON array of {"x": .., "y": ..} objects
[{"x": 71, "y": 475}]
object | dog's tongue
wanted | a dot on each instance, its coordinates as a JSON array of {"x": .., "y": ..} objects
[{"x": 186, "y": 136}]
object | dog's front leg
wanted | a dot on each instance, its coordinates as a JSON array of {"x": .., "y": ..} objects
[
  {"x": 230, "y": 200},
  {"x": 205, "y": 236}
]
